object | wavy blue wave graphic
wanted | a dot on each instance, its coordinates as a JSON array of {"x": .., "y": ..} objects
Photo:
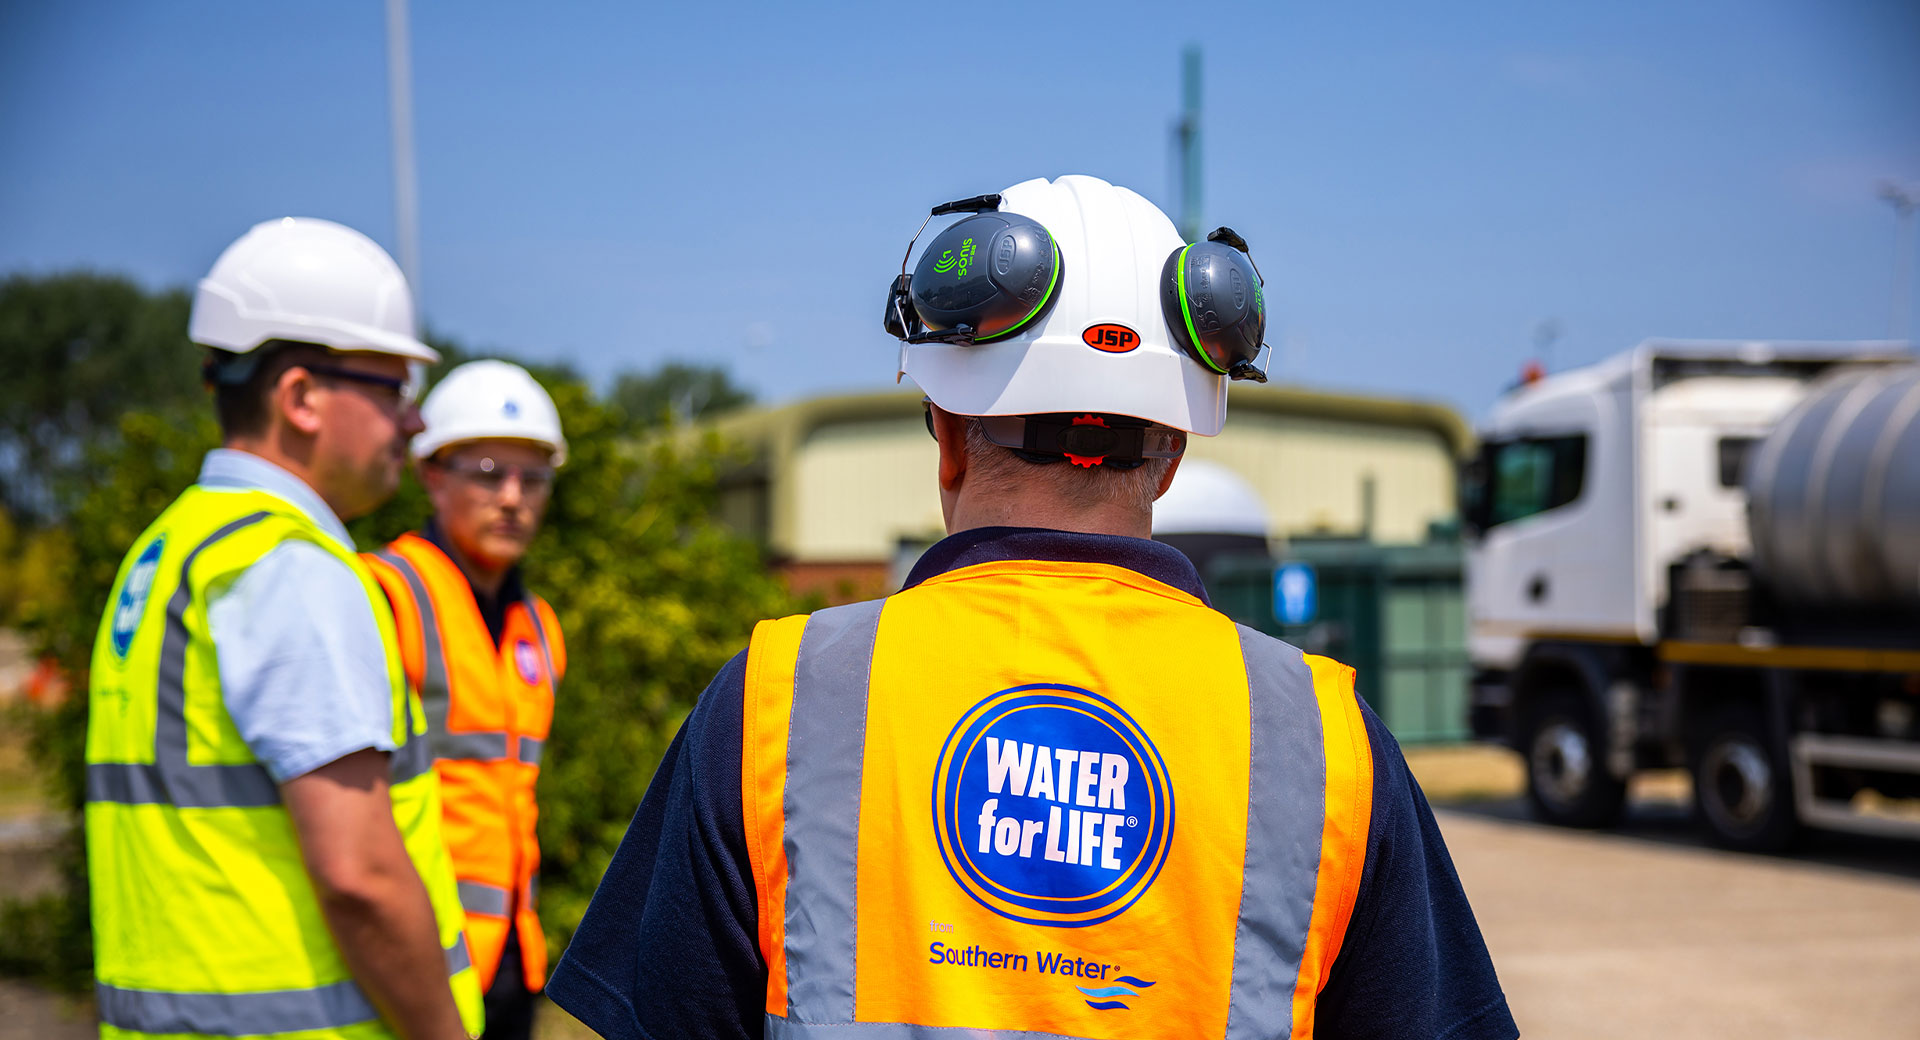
[{"x": 1113, "y": 991}]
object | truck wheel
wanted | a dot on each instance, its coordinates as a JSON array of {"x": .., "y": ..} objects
[
  {"x": 1741, "y": 790},
  {"x": 1567, "y": 777}
]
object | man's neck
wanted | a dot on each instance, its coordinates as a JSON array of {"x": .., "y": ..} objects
[
  {"x": 1044, "y": 509},
  {"x": 487, "y": 581},
  {"x": 272, "y": 450}
]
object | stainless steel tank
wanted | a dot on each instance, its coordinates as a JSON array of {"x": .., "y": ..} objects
[{"x": 1834, "y": 493}]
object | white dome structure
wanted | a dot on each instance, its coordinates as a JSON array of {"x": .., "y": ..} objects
[{"x": 1208, "y": 498}]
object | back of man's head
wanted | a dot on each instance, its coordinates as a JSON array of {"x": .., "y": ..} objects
[{"x": 1079, "y": 336}]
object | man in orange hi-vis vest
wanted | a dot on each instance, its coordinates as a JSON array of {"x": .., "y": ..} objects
[
  {"x": 1045, "y": 789},
  {"x": 485, "y": 655}
]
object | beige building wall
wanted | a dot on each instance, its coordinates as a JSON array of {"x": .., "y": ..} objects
[
  {"x": 1316, "y": 475},
  {"x": 862, "y": 486},
  {"x": 844, "y": 479}
]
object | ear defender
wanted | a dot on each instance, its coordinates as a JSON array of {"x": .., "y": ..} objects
[
  {"x": 1212, "y": 297},
  {"x": 986, "y": 277}
]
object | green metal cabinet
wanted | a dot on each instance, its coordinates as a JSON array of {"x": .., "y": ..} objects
[{"x": 1396, "y": 613}]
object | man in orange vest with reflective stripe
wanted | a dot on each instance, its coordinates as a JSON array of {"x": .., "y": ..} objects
[
  {"x": 486, "y": 655},
  {"x": 1045, "y": 789}
]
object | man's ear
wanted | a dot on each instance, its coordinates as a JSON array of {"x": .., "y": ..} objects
[
  {"x": 951, "y": 431},
  {"x": 1166, "y": 479},
  {"x": 293, "y": 398}
]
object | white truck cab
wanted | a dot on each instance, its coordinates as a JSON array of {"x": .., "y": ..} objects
[{"x": 1590, "y": 488}]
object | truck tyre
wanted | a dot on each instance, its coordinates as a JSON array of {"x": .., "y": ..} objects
[
  {"x": 1567, "y": 778},
  {"x": 1742, "y": 791}
]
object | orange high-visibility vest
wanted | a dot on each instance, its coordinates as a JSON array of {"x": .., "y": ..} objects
[
  {"x": 488, "y": 710},
  {"x": 1042, "y": 798}
]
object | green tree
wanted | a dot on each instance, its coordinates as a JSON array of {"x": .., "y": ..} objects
[
  {"x": 652, "y": 593},
  {"x": 677, "y": 393},
  {"x": 76, "y": 351}
]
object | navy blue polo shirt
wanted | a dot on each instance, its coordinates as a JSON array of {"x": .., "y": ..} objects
[{"x": 669, "y": 945}]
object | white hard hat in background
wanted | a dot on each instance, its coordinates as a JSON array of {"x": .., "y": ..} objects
[
  {"x": 1114, "y": 246},
  {"x": 1210, "y": 498},
  {"x": 489, "y": 400},
  {"x": 307, "y": 280}
]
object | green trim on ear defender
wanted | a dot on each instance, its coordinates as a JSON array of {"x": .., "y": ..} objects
[
  {"x": 1186, "y": 315},
  {"x": 1052, "y": 282}
]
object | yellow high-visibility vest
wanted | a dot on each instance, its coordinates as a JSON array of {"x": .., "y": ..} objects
[
  {"x": 204, "y": 920},
  {"x": 1030, "y": 798}
]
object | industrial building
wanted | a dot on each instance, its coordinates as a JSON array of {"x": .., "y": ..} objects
[
  {"x": 837, "y": 485},
  {"x": 841, "y": 490}
]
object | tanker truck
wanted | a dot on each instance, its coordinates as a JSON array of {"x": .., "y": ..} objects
[{"x": 1705, "y": 555}]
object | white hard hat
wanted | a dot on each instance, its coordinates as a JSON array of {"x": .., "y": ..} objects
[
  {"x": 1209, "y": 498},
  {"x": 311, "y": 281},
  {"x": 489, "y": 400},
  {"x": 1113, "y": 248}
]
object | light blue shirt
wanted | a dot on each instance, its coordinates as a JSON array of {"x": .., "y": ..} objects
[{"x": 302, "y": 665}]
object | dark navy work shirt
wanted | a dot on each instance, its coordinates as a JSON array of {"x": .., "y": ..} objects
[{"x": 669, "y": 946}]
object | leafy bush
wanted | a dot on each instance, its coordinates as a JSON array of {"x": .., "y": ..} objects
[{"x": 652, "y": 593}]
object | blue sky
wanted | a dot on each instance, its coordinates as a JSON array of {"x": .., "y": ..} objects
[{"x": 620, "y": 184}]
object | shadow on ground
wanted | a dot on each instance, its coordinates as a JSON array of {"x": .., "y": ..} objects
[{"x": 1670, "y": 823}]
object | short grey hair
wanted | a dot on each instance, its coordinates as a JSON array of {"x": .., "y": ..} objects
[{"x": 998, "y": 469}]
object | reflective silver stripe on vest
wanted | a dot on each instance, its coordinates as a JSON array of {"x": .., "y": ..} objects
[
  {"x": 530, "y": 749},
  {"x": 433, "y": 680},
  {"x": 826, "y": 752},
  {"x": 412, "y": 757},
  {"x": 484, "y": 745},
  {"x": 1286, "y": 808},
  {"x": 459, "y": 959},
  {"x": 333, "y": 1006},
  {"x": 170, "y": 779},
  {"x": 478, "y": 897}
]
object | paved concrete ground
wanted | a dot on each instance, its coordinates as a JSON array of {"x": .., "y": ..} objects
[
  {"x": 1604, "y": 936},
  {"x": 1647, "y": 932}
]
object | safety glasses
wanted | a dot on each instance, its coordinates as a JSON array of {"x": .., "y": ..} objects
[
  {"x": 492, "y": 475},
  {"x": 403, "y": 391}
]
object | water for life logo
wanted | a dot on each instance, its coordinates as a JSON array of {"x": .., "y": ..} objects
[
  {"x": 1052, "y": 806},
  {"x": 133, "y": 597}
]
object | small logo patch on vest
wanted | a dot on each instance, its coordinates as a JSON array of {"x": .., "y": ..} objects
[
  {"x": 133, "y": 597},
  {"x": 526, "y": 657},
  {"x": 1052, "y": 806}
]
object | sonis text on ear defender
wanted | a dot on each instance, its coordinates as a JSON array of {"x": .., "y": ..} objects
[
  {"x": 986, "y": 277},
  {"x": 1214, "y": 301}
]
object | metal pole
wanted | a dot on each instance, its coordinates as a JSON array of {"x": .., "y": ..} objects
[
  {"x": 406, "y": 201},
  {"x": 1903, "y": 201},
  {"x": 1190, "y": 145}
]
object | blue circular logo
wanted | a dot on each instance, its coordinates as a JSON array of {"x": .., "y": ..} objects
[
  {"x": 511, "y": 409},
  {"x": 132, "y": 601},
  {"x": 1052, "y": 807}
]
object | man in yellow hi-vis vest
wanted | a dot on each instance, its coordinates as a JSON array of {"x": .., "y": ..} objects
[
  {"x": 263, "y": 820},
  {"x": 1045, "y": 789}
]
